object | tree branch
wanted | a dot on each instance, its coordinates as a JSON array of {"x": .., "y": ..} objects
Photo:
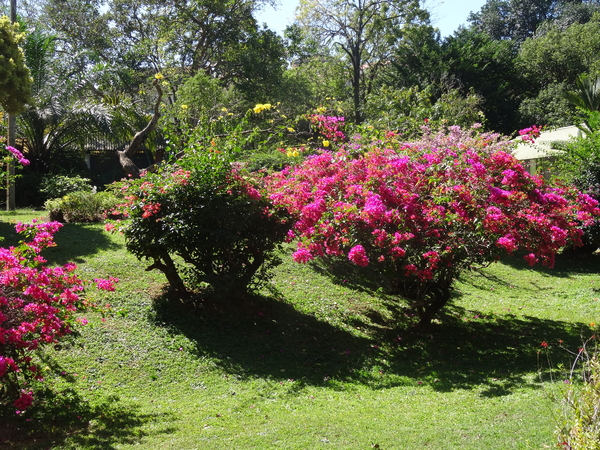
[{"x": 125, "y": 155}]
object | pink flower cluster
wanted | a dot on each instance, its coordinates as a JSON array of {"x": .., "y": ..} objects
[
  {"x": 530, "y": 134},
  {"x": 329, "y": 126},
  {"x": 18, "y": 155},
  {"x": 428, "y": 208},
  {"x": 37, "y": 305}
]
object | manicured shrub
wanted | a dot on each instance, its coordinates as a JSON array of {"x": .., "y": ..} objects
[
  {"x": 421, "y": 213},
  {"x": 56, "y": 186},
  {"x": 38, "y": 306},
  {"x": 204, "y": 223},
  {"x": 81, "y": 206}
]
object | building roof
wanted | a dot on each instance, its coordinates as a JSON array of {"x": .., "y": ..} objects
[{"x": 543, "y": 144}]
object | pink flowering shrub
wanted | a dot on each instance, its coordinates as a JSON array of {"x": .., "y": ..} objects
[
  {"x": 209, "y": 214},
  {"x": 37, "y": 308},
  {"x": 423, "y": 212},
  {"x": 329, "y": 127}
]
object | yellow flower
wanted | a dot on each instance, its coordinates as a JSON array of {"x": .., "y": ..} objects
[
  {"x": 224, "y": 109},
  {"x": 159, "y": 76},
  {"x": 260, "y": 107},
  {"x": 321, "y": 109},
  {"x": 291, "y": 130},
  {"x": 184, "y": 106},
  {"x": 325, "y": 143}
]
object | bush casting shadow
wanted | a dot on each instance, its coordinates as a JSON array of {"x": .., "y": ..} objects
[
  {"x": 463, "y": 350},
  {"x": 64, "y": 418}
]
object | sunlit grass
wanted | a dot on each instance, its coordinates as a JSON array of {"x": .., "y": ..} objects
[{"x": 316, "y": 361}]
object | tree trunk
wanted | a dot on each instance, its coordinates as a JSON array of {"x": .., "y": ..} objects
[{"x": 125, "y": 155}]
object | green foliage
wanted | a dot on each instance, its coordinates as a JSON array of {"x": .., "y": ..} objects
[
  {"x": 513, "y": 19},
  {"x": 549, "y": 107},
  {"x": 82, "y": 206},
  {"x": 204, "y": 223},
  {"x": 580, "y": 427},
  {"x": 15, "y": 80},
  {"x": 407, "y": 110},
  {"x": 364, "y": 35},
  {"x": 485, "y": 67},
  {"x": 587, "y": 93},
  {"x": 56, "y": 186},
  {"x": 561, "y": 55},
  {"x": 579, "y": 163}
]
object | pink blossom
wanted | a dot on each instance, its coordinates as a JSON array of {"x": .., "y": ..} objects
[
  {"x": 358, "y": 256},
  {"x": 302, "y": 255},
  {"x": 508, "y": 243},
  {"x": 18, "y": 155},
  {"x": 531, "y": 259},
  {"x": 24, "y": 401}
]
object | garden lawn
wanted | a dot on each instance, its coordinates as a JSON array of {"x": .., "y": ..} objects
[{"x": 319, "y": 360}]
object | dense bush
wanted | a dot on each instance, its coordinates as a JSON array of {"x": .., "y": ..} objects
[
  {"x": 56, "y": 186},
  {"x": 37, "y": 308},
  {"x": 423, "y": 212},
  {"x": 82, "y": 206},
  {"x": 203, "y": 223}
]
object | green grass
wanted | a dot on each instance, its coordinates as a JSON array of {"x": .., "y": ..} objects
[{"x": 319, "y": 360}]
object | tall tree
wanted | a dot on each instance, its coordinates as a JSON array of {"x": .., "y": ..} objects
[
  {"x": 365, "y": 32},
  {"x": 515, "y": 19},
  {"x": 560, "y": 55},
  {"x": 177, "y": 38},
  {"x": 476, "y": 62}
]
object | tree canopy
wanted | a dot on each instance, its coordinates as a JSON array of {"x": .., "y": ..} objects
[{"x": 366, "y": 32}]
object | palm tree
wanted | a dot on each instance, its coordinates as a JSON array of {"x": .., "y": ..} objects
[
  {"x": 586, "y": 97},
  {"x": 56, "y": 125}
]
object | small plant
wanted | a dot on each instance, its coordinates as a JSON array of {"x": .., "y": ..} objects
[
  {"x": 580, "y": 428},
  {"x": 37, "y": 308},
  {"x": 81, "y": 206}
]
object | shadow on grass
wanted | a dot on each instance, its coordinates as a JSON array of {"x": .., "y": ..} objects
[
  {"x": 269, "y": 338},
  {"x": 266, "y": 337},
  {"x": 65, "y": 419},
  {"x": 496, "y": 354},
  {"x": 74, "y": 242},
  {"x": 567, "y": 264}
]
